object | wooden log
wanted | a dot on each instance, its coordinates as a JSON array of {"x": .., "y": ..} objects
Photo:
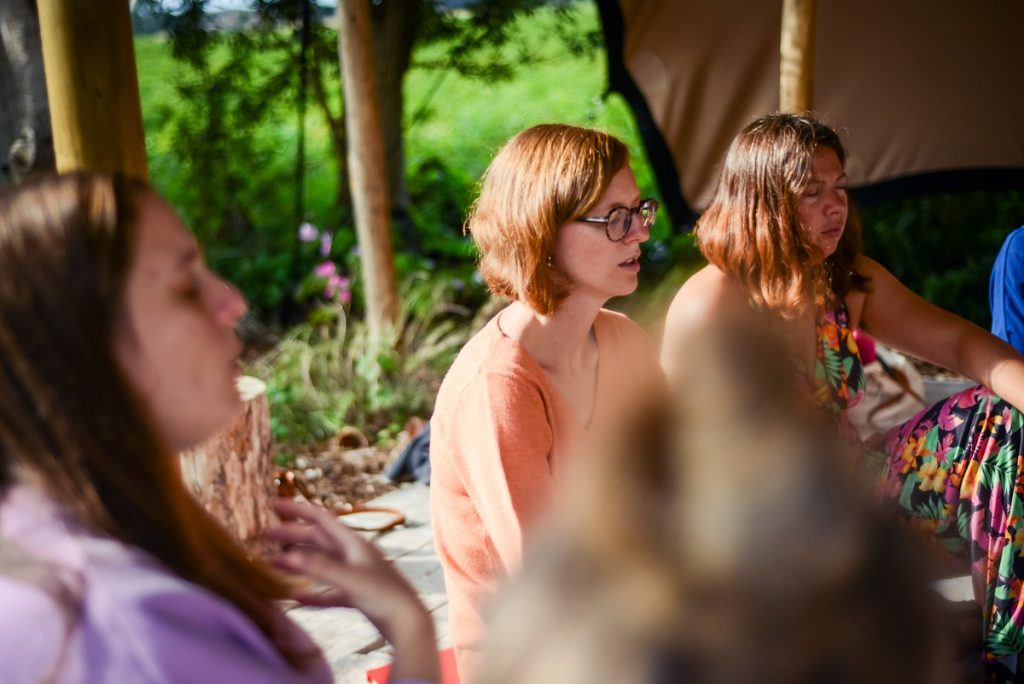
[
  {"x": 796, "y": 52},
  {"x": 367, "y": 166},
  {"x": 232, "y": 474},
  {"x": 92, "y": 86}
]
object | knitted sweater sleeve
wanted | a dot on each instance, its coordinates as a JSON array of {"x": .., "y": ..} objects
[{"x": 505, "y": 439}]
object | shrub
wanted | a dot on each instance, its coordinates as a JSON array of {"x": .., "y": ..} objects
[{"x": 326, "y": 373}]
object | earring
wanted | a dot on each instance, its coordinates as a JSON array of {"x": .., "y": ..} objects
[{"x": 550, "y": 261}]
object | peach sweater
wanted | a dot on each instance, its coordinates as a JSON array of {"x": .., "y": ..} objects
[{"x": 500, "y": 434}]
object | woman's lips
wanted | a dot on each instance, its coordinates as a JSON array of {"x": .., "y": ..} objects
[{"x": 632, "y": 265}]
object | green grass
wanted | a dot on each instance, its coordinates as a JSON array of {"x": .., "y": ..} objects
[{"x": 469, "y": 119}]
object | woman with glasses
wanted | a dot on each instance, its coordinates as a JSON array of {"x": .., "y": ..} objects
[
  {"x": 558, "y": 226},
  {"x": 783, "y": 246}
]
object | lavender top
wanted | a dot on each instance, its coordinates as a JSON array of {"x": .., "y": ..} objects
[{"x": 77, "y": 607}]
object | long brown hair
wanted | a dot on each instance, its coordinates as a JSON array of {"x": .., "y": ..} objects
[
  {"x": 751, "y": 229},
  {"x": 543, "y": 178},
  {"x": 70, "y": 421}
]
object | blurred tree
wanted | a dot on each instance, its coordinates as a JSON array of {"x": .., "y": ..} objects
[{"x": 26, "y": 141}]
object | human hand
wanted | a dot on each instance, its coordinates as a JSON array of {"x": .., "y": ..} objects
[{"x": 351, "y": 572}]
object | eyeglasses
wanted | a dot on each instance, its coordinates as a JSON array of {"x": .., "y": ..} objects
[{"x": 618, "y": 222}]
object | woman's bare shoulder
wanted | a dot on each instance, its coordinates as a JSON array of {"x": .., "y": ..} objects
[
  {"x": 708, "y": 300},
  {"x": 705, "y": 298},
  {"x": 868, "y": 268}
]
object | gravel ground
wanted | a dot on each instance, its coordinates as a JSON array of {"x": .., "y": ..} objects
[{"x": 345, "y": 471}]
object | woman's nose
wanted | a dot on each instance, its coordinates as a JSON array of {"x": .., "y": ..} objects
[
  {"x": 837, "y": 201},
  {"x": 638, "y": 231},
  {"x": 231, "y": 304}
]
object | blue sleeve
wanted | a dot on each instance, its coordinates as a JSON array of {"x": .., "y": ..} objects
[{"x": 1006, "y": 291}]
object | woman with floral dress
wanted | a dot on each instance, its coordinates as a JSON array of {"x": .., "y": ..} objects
[{"x": 783, "y": 246}]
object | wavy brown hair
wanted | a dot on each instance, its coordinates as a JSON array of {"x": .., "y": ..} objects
[
  {"x": 543, "y": 178},
  {"x": 751, "y": 229},
  {"x": 70, "y": 421}
]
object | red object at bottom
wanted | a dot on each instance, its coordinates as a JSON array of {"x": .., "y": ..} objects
[{"x": 449, "y": 675}]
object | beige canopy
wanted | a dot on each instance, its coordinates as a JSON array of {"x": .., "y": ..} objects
[{"x": 929, "y": 93}]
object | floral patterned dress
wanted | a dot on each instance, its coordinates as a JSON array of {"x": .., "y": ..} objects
[{"x": 956, "y": 470}]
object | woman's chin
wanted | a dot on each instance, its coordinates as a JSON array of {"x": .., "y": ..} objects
[{"x": 214, "y": 423}]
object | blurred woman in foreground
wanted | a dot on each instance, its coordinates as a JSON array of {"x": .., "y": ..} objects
[
  {"x": 118, "y": 350},
  {"x": 702, "y": 549}
]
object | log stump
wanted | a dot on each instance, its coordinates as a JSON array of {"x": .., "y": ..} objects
[{"x": 232, "y": 474}]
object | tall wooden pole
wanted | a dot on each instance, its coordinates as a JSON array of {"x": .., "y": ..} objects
[
  {"x": 796, "y": 51},
  {"x": 92, "y": 86},
  {"x": 367, "y": 165}
]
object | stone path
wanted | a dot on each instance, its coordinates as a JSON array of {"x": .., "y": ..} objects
[{"x": 350, "y": 643}]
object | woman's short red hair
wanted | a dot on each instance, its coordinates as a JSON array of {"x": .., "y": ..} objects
[{"x": 543, "y": 178}]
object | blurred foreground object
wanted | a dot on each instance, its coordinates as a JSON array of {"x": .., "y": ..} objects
[{"x": 720, "y": 539}]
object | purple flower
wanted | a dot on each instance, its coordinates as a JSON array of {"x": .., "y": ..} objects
[
  {"x": 325, "y": 244},
  {"x": 308, "y": 232},
  {"x": 326, "y": 270}
]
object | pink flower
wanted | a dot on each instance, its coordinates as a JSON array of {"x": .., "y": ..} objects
[
  {"x": 325, "y": 244},
  {"x": 969, "y": 397},
  {"x": 326, "y": 269},
  {"x": 338, "y": 287},
  {"x": 948, "y": 420},
  {"x": 947, "y": 443},
  {"x": 308, "y": 232}
]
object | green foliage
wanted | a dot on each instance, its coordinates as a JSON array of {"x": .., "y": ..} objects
[
  {"x": 219, "y": 107},
  {"x": 222, "y": 132},
  {"x": 222, "y": 127},
  {"x": 943, "y": 246},
  {"x": 487, "y": 42},
  {"x": 326, "y": 373}
]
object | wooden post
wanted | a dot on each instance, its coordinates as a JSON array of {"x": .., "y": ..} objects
[
  {"x": 91, "y": 82},
  {"x": 367, "y": 165},
  {"x": 796, "y": 51}
]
